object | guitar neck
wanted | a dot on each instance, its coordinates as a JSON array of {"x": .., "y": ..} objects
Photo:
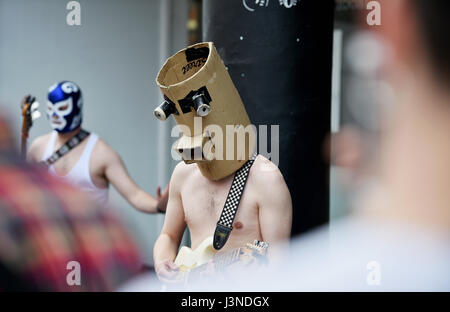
[
  {"x": 24, "y": 139},
  {"x": 223, "y": 260},
  {"x": 247, "y": 255},
  {"x": 26, "y": 125},
  {"x": 23, "y": 151}
]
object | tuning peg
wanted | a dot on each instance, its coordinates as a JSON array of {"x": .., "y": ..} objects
[
  {"x": 34, "y": 105},
  {"x": 35, "y": 115}
]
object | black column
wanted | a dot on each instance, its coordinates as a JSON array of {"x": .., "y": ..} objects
[{"x": 280, "y": 61}]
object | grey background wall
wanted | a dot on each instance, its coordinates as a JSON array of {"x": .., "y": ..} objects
[{"x": 114, "y": 56}]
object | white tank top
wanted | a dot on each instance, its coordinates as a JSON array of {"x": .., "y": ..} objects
[{"x": 79, "y": 175}]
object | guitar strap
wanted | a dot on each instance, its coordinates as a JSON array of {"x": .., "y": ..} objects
[
  {"x": 67, "y": 147},
  {"x": 225, "y": 223}
]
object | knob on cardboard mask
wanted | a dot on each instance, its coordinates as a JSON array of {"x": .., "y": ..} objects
[{"x": 198, "y": 92}]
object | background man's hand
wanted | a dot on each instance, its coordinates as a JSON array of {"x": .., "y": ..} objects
[{"x": 162, "y": 198}]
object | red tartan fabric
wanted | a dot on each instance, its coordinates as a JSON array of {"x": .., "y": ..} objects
[{"x": 45, "y": 224}]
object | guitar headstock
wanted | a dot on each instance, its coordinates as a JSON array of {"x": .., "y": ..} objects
[
  {"x": 30, "y": 113},
  {"x": 258, "y": 247},
  {"x": 256, "y": 251}
]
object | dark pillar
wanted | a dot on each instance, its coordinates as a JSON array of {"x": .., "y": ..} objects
[{"x": 280, "y": 61}]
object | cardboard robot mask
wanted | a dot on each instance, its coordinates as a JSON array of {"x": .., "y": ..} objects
[{"x": 217, "y": 133}]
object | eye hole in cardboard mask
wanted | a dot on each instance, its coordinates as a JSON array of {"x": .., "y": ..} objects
[
  {"x": 179, "y": 68},
  {"x": 198, "y": 101}
]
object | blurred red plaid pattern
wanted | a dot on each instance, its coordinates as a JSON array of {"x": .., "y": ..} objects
[{"x": 45, "y": 224}]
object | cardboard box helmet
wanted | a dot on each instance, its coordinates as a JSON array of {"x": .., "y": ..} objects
[{"x": 198, "y": 92}]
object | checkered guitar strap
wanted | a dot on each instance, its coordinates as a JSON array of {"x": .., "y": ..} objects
[
  {"x": 67, "y": 147},
  {"x": 225, "y": 223}
]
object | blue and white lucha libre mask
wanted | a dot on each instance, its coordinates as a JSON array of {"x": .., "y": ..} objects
[{"x": 64, "y": 106}]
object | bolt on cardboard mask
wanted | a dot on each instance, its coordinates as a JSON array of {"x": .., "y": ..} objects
[
  {"x": 198, "y": 92},
  {"x": 64, "y": 106}
]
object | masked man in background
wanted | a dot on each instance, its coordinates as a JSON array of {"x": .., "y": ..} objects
[{"x": 82, "y": 158}]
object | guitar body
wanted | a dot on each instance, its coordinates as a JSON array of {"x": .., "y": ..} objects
[
  {"x": 192, "y": 263},
  {"x": 188, "y": 259}
]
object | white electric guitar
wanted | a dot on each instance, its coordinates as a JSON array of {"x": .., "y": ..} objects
[{"x": 195, "y": 261}]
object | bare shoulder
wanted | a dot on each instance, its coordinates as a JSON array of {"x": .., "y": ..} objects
[
  {"x": 104, "y": 152},
  {"x": 181, "y": 172},
  {"x": 268, "y": 183},
  {"x": 104, "y": 157},
  {"x": 265, "y": 173},
  {"x": 180, "y": 175},
  {"x": 37, "y": 147},
  {"x": 102, "y": 146}
]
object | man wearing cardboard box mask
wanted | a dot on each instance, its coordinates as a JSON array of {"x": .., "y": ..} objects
[{"x": 219, "y": 172}]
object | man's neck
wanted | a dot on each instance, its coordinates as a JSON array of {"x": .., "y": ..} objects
[{"x": 63, "y": 137}]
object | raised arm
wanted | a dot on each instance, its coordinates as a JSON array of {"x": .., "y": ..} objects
[
  {"x": 116, "y": 173},
  {"x": 166, "y": 246}
]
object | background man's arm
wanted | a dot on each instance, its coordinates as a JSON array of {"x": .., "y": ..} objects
[
  {"x": 117, "y": 175},
  {"x": 166, "y": 246}
]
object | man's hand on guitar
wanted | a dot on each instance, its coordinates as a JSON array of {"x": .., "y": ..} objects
[
  {"x": 29, "y": 107},
  {"x": 168, "y": 272},
  {"x": 24, "y": 101}
]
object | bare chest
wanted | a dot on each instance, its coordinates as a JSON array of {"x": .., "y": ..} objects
[{"x": 203, "y": 201}]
